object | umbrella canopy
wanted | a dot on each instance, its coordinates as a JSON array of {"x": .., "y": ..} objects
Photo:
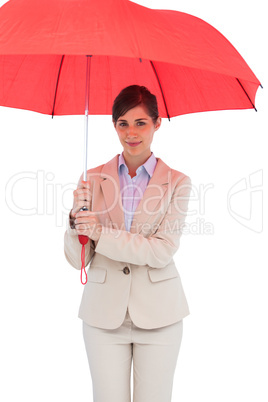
[
  {"x": 187, "y": 63},
  {"x": 63, "y": 57}
]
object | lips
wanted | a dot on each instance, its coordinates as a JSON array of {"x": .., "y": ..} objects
[{"x": 134, "y": 144}]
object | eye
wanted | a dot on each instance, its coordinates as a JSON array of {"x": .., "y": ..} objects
[
  {"x": 141, "y": 123},
  {"x": 122, "y": 124}
]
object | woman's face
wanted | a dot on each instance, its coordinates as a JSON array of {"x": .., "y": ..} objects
[{"x": 136, "y": 130}]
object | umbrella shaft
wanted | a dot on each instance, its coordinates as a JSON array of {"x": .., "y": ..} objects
[
  {"x": 85, "y": 146},
  {"x": 86, "y": 116}
]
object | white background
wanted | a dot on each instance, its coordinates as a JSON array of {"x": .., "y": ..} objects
[{"x": 222, "y": 260}]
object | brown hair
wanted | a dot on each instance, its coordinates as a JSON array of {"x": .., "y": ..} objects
[{"x": 131, "y": 97}]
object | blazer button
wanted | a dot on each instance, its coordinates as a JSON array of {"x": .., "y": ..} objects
[{"x": 126, "y": 270}]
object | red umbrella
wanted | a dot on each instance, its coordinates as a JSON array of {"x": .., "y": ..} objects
[
  {"x": 54, "y": 53},
  {"x": 185, "y": 61}
]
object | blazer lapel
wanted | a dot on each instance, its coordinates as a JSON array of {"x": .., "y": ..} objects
[
  {"x": 150, "y": 204},
  {"x": 111, "y": 192}
]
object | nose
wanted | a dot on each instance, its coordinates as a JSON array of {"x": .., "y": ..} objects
[{"x": 131, "y": 132}]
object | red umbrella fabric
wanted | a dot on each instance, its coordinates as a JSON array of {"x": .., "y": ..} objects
[
  {"x": 54, "y": 53},
  {"x": 187, "y": 63}
]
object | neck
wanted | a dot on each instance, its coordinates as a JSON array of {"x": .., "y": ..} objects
[{"x": 133, "y": 162}]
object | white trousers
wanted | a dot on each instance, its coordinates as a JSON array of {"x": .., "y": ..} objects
[{"x": 154, "y": 355}]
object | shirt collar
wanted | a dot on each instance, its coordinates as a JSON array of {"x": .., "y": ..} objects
[{"x": 149, "y": 165}]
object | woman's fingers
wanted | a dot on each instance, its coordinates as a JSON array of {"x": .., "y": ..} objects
[
  {"x": 82, "y": 197},
  {"x": 84, "y": 184},
  {"x": 82, "y": 194},
  {"x": 86, "y": 223},
  {"x": 86, "y": 217}
]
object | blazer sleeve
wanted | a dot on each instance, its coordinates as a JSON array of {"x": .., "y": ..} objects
[{"x": 158, "y": 249}]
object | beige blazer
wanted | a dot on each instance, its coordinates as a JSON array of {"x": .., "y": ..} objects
[{"x": 135, "y": 269}]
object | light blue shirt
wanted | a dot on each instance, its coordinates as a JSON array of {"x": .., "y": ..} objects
[{"x": 132, "y": 189}]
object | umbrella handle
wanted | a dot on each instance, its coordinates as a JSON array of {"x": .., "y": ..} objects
[{"x": 83, "y": 240}]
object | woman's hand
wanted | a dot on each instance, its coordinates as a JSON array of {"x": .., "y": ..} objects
[
  {"x": 82, "y": 197},
  {"x": 87, "y": 224}
]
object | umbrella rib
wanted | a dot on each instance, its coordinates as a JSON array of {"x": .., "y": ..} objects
[
  {"x": 246, "y": 94},
  {"x": 57, "y": 84},
  {"x": 161, "y": 89}
]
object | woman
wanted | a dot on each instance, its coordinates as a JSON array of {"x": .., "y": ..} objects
[{"x": 133, "y": 304}]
